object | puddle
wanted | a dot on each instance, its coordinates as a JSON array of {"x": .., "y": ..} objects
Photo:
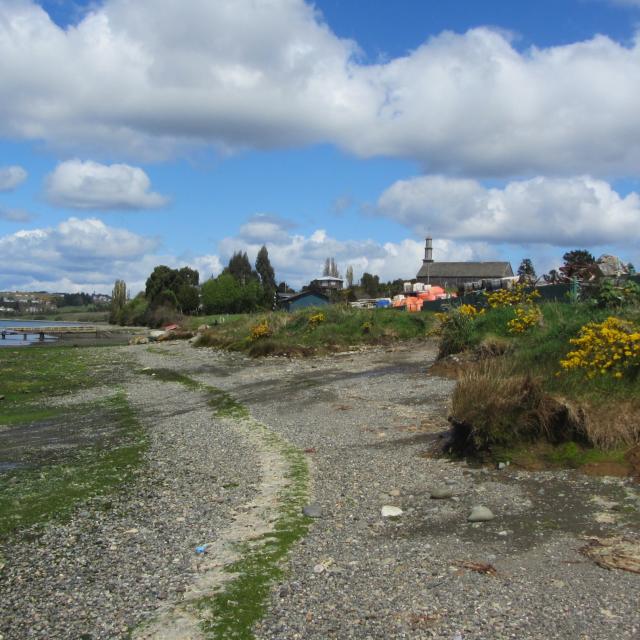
[{"x": 578, "y": 506}]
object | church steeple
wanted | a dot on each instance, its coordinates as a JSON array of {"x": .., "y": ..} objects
[{"x": 428, "y": 250}]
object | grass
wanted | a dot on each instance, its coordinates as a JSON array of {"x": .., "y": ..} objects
[
  {"x": 295, "y": 334},
  {"x": 523, "y": 396},
  {"x": 54, "y": 484},
  {"x": 234, "y": 611}
]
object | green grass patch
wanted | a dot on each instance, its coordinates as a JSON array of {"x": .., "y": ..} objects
[
  {"x": 234, "y": 612},
  {"x": 25, "y": 415},
  {"x": 223, "y": 403},
  {"x": 34, "y": 496},
  {"x": 296, "y": 334}
]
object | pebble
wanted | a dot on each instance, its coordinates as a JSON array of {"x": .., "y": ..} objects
[
  {"x": 389, "y": 511},
  {"x": 312, "y": 510},
  {"x": 480, "y": 514},
  {"x": 442, "y": 493}
]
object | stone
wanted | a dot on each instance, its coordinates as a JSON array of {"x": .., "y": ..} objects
[
  {"x": 480, "y": 514},
  {"x": 441, "y": 493},
  {"x": 312, "y": 511},
  {"x": 394, "y": 493},
  {"x": 389, "y": 511},
  {"x": 139, "y": 340}
]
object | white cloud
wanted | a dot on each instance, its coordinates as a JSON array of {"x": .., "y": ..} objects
[
  {"x": 556, "y": 211},
  {"x": 262, "y": 228},
  {"x": 155, "y": 77},
  {"x": 15, "y": 215},
  {"x": 90, "y": 185},
  {"x": 297, "y": 258},
  {"x": 11, "y": 177}
]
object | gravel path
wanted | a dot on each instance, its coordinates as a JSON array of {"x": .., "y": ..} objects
[{"x": 366, "y": 421}]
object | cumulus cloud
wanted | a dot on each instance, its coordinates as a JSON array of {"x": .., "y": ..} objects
[
  {"x": 11, "y": 177},
  {"x": 265, "y": 228},
  {"x": 239, "y": 73},
  {"x": 299, "y": 258},
  {"x": 15, "y": 215},
  {"x": 90, "y": 185},
  {"x": 554, "y": 211}
]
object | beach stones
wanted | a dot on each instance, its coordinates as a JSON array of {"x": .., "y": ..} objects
[
  {"x": 389, "y": 511},
  {"x": 480, "y": 514},
  {"x": 441, "y": 493},
  {"x": 312, "y": 511}
]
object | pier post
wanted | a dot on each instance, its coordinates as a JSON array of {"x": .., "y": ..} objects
[
  {"x": 41, "y": 336},
  {"x": 24, "y": 336},
  {"x": 4, "y": 335}
]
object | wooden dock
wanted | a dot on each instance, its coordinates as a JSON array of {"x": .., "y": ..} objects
[{"x": 46, "y": 331}]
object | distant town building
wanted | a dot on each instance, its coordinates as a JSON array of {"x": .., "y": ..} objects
[
  {"x": 307, "y": 298},
  {"x": 327, "y": 283},
  {"x": 451, "y": 275}
]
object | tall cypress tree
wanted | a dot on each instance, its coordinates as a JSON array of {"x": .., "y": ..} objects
[{"x": 266, "y": 274}]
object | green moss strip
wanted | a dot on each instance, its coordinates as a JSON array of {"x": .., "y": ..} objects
[
  {"x": 233, "y": 612},
  {"x": 34, "y": 496}
]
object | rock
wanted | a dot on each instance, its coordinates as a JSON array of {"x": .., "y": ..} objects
[
  {"x": 442, "y": 493},
  {"x": 139, "y": 340},
  {"x": 480, "y": 514},
  {"x": 389, "y": 511},
  {"x": 503, "y": 465},
  {"x": 394, "y": 493},
  {"x": 312, "y": 511},
  {"x": 319, "y": 568},
  {"x": 1, "y": 397},
  {"x": 202, "y": 328},
  {"x": 156, "y": 333}
]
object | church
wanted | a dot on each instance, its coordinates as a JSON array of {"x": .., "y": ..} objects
[{"x": 451, "y": 275}]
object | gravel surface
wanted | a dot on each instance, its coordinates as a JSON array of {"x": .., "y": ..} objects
[{"x": 367, "y": 422}]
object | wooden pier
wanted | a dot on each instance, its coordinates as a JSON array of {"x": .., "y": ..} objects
[{"x": 45, "y": 331}]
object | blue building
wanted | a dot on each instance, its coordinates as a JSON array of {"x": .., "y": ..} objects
[{"x": 302, "y": 300}]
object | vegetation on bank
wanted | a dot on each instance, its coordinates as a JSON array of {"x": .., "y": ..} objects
[
  {"x": 313, "y": 331},
  {"x": 106, "y": 443},
  {"x": 569, "y": 373}
]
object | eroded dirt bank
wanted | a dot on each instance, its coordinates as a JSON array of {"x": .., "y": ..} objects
[{"x": 364, "y": 422}]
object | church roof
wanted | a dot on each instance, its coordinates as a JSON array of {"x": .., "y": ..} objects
[{"x": 479, "y": 270}]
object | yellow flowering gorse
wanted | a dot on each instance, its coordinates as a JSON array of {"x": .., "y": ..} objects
[
  {"x": 511, "y": 297},
  {"x": 526, "y": 317},
  {"x": 611, "y": 347},
  {"x": 470, "y": 310},
  {"x": 260, "y": 330},
  {"x": 316, "y": 319}
]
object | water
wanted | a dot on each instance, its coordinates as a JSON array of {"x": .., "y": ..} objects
[{"x": 19, "y": 341}]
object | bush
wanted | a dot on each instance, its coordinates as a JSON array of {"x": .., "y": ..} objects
[
  {"x": 611, "y": 347},
  {"x": 457, "y": 333}
]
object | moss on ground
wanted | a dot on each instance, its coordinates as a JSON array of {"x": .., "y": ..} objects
[
  {"x": 51, "y": 491},
  {"x": 234, "y": 611}
]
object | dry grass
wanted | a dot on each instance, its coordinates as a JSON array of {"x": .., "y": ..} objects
[
  {"x": 613, "y": 426},
  {"x": 492, "y": 406}
]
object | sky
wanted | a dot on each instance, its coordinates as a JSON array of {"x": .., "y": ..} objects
[{"x": 135, "y": 133}]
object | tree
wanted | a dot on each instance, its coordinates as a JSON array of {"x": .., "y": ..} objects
[
  {"x": 370, "y": 284},
  {"x": 631, "y": 269},
  {"x": 225, "y": 294},
  {"x": 349, "y": 276},
  {"x": 526, "y": 271},
  {"x": 552, "y": 277},
  {"x": 575, "y": 262},
  {"x": 240, "y": 268},
  {"x": 283, "y": 287},
  {"x": 330, "y": 268},
  {"x": 267, "y": 276},
  {"x": 181, "y": 283},
  {"x": 118, "y": 300}
]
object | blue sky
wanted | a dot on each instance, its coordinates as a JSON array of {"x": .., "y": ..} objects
[{"x": 140, "y": 133}]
